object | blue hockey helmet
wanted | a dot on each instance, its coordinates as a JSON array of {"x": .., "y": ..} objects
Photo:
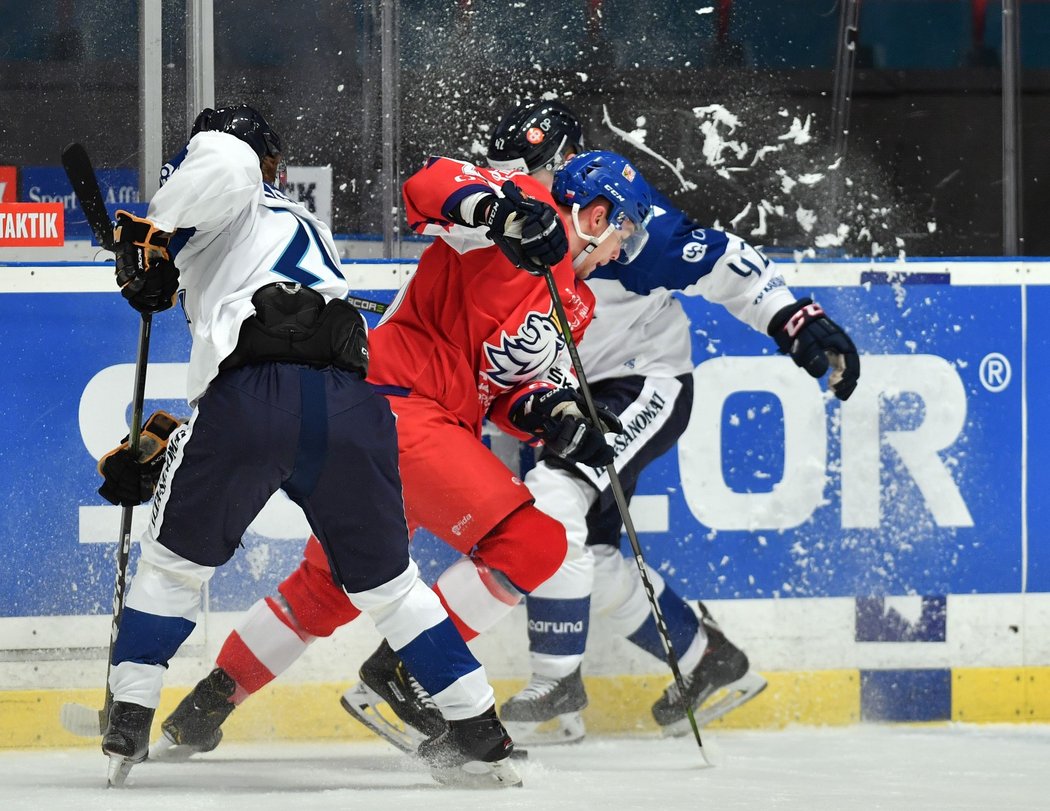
[
  {"x": 535, "y": 136},
  {"x": 606, "y": 175},
  {"x": 243, "y": 122}
]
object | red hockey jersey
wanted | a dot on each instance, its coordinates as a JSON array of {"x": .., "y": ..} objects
[{"x": 470, "y": 330}]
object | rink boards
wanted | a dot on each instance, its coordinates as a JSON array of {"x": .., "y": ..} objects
[{"x": 889, "y": 555}]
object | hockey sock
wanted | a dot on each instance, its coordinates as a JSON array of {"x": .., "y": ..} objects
[
  {"x": 262, "y": 647},
  {"x": 159, "y": 615},
  {"x": 475, "y": 596},
  {"x": 682, "y": 626},
  {"x": 517, "y": 555},
  {"x": 557, "y": 631},
  {"x": 444, "y": 666},
  {"x": 316, "y": 605}
]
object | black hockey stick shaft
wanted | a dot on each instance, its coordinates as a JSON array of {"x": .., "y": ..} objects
[
  {"x": 625, "y": 512},
  {"x": 82, "y": 177},
  {"x": 138, "y": 398},
  {"x": 81, "y": 174}
]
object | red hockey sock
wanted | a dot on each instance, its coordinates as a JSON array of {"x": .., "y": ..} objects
[{"x": 262, "y": 647}]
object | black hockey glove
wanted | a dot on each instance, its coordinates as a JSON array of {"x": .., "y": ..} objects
[
  {"x": 557, "y": 417},
  {"x": 815, "y": 342},
  {"x": 130, "y": 480},
  {"x": 147, "y": 277},
  {"x": 528, "y": 231}
]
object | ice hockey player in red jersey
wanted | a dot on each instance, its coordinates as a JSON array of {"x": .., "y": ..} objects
[{"x": 470, "y": 336}]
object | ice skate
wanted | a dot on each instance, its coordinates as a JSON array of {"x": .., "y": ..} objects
[
  {"x": 547, "y": 699},
  {"x": 126, "y": 739},
  {"x": 473, "y": 753},
  {"x": 723, "y": 673},
  {"x": 196, "y": 724},
  {"x": 386, "y": 680}
]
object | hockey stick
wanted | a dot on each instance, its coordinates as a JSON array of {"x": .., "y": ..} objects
[
  {"x": 76, "y": 718},
  {"x": 367, "y": 305},
  {"x": 625, "y": 513},
  {"x": 82, "y": 177}
]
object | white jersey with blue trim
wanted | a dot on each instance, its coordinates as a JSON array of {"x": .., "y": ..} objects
[
  {"x": 636, "y": 299},
  {"x": 234, "y": 234}
]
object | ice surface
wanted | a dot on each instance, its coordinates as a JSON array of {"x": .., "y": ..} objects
[{"x": 857, "y": 768}]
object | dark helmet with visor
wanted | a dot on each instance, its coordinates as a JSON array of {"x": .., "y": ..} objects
[
  {"x": 243, "y": 122},
  {"x": 535, "y": 136}
]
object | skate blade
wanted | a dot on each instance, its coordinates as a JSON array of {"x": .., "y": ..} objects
[
  {"x": 362, "y": 702},
  {"x": 119, "y": 768},
  {"x": 565, "y": 728},
  {"x": 166, "y": 750},
  {"x": 476, "y": 774},
  {"x": 732, "y": 696}
]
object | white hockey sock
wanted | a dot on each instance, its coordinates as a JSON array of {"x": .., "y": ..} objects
[
  {"x": 411, "y": 618},
  {"x": 475, "y": 596},
  {"x": 552, "y": 666}
]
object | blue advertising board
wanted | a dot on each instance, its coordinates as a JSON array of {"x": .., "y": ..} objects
[
  {"x": 1037, "y": 548},
  {"x": 43, "y": 184},
  {"x": 913, "y": 486},
  {"x": 916, "y": 485}
]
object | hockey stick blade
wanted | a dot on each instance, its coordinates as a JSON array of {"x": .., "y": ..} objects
[
  {"x": 84, "y": 722},
  {"x": 82, "y": 177}
]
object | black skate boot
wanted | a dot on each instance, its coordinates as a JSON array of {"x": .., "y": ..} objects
[
  {"x": 723, "y": 667},
  {"x": 384, "y": 678},
  {"x": 474, "y": 753},
  {"x": 196, "y": 724},
  {"x": 547, "y": 699},
  {"x": 126, "y": 739}
]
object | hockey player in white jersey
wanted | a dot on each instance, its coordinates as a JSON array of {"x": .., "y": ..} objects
[
  {"x": 637, "y": 358},
  {"x": 276, "y": 382}
]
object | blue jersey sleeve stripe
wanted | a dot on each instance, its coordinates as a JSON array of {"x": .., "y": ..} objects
[{"x": 178, "y": 241}]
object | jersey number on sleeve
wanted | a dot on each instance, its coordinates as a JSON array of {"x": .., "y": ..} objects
[{"x": 750, "y": 267}]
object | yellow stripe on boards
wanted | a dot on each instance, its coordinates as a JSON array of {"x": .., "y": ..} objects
[
  {"x": 618, "y": 705},
  {"x": 1000, "y": 694}
]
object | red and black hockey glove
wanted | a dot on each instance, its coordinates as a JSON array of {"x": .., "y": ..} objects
[
  {"x": 529, "y": 232},
  {"x": 130, "y": 480},
  {"x": 556, "y": 416},
  {"x": 815, "y": 342},
  {"x": 147, "y": 277}
]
